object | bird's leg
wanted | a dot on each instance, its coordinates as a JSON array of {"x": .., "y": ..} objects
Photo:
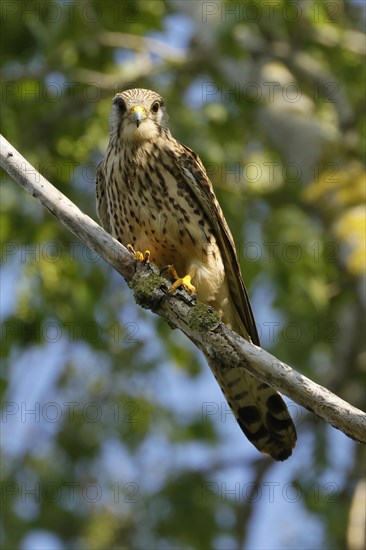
[
  {"x": 141, "y": 257},
  {"x": 180, "y": 281}
]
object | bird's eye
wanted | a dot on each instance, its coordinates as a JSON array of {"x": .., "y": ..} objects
[
  {"x": 121, "y": 106},
  {"x": 155, "y": 107}
]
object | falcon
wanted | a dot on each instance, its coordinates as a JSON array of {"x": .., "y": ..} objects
[{"x": 154, "y": 195}]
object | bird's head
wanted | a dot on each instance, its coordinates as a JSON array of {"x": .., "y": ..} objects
[{"x": 137, "y": 115}]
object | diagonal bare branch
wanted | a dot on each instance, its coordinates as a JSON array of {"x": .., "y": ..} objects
[{"x": 200, "y": 323}]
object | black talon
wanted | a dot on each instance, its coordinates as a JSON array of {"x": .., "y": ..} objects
[{"x": 163, "y": 269}]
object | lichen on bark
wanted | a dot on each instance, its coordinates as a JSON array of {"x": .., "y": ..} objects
[{"x": 203, "y": 317}]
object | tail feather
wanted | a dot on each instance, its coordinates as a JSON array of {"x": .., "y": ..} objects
[{"x": 260, "y": 412}]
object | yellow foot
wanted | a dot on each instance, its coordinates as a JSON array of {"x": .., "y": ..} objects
[
  {"x": 179, "y": 281},
  {"x": 141, "y": 257}
]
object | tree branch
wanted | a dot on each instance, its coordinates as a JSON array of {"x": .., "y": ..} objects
[{"x": 220, "y": 345}]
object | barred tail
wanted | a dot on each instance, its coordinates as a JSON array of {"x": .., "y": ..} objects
[{"x": 260, "y": 412}]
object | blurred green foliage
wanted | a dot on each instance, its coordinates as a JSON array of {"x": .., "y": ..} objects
[{"x": 271, "y": 96}]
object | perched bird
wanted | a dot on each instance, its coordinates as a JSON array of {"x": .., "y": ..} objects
[{"x": 153, "y": 194}]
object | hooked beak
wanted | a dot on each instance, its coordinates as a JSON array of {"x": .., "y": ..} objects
[{"x": 138, "y": 114}]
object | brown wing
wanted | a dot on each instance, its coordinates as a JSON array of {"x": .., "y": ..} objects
[
  {"x": 102, "y": 209},
  {"x": 259, "y": 409},
  {"x": 194, "y": 172}
]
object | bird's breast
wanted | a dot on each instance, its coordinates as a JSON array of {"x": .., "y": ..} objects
[{"x": 152, "y": 207}]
